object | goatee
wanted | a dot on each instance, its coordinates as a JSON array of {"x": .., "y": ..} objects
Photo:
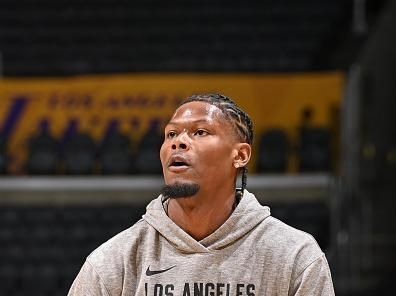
[{"x": 178, "y": 190}]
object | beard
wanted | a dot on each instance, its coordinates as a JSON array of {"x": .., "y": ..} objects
[{"x": 178, "y": 190}]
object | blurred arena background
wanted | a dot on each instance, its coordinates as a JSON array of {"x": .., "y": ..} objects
[{"x": 86, "y": 87}]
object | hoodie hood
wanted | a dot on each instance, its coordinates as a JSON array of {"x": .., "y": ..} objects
[{"x": 244, "y": 218}]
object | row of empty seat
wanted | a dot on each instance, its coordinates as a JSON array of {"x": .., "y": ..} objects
[
  {"x": 80, "y": 154},
  {"x": 313, "y": 151},
  {"x": 71, "y": 37},
  {"x": 77, "y": 153}
]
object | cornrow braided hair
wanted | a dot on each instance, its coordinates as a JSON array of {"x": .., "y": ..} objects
[{"x": 239, "y": 119}]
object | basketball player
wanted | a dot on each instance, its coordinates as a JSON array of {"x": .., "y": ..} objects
[{"x": 202, "y": 235}]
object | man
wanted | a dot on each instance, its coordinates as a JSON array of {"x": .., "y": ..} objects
[{"x": 202, "y": 236}]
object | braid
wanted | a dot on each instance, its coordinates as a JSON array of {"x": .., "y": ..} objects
[
  {"x": 239, "y": 119},
  {"x": 244, "y": 178}
]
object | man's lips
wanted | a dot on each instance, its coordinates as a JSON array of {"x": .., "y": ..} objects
[
  {"x": 178, "y": 169},
  {"x": 178, "y": 163}
]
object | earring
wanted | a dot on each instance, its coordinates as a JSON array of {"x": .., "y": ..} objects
[{"x": 236, "y": 165}]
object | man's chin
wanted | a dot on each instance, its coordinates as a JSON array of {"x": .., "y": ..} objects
[{"x": 180, "y": 189}]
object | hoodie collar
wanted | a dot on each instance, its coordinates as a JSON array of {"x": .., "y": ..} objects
[{"x": 244, "y": 218}]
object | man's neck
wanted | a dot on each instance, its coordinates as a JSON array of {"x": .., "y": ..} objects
[{"x": 202, "y": 214}]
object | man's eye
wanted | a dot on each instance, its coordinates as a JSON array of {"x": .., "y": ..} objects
[
  {"x": 171, "y": 135},
  {"x": 201, "y": 132}
]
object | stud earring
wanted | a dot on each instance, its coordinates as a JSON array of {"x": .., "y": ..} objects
[{"x": 236, "y": 165}]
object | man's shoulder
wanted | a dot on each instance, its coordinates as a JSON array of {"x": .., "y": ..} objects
[
  {"x": 285, "y": 230},
  {"x": 284, "y": 238},
  {"x": 106, "y": 266}
]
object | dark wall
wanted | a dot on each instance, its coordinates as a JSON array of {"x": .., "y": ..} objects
[{"x": 369, "y": 196}]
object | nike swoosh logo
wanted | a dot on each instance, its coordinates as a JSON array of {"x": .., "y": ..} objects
[{"x": 153, "y": 272}]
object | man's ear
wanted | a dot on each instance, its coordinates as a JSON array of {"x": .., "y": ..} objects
[{"x": 243, "y": 152}]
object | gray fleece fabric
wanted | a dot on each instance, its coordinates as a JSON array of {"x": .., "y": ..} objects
[{"x": 252, "y": 253}]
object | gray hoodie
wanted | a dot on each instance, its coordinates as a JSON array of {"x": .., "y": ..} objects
[{"x": 252, "y": 253}]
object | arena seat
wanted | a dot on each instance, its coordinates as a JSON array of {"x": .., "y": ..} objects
[
  {"x": 115, "y": 152},
  {"x": 79, "y": 154},
  {"x": 147, "y": 159},
  {"x": 314, "y": 151},
  {"x": 3, "y": 155},
  {"x": 43, "y": 154},
  {"x": 273, "y": 152},
  {"x": 8, "y": 278}
]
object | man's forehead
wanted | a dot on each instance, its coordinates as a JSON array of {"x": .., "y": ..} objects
[{"x": 194, "y": 111}]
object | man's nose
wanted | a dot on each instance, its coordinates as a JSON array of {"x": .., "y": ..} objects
[{"x": 181, "y": 142}]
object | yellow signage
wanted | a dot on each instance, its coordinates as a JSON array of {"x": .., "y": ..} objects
[{"x": 136, "y": 100}]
